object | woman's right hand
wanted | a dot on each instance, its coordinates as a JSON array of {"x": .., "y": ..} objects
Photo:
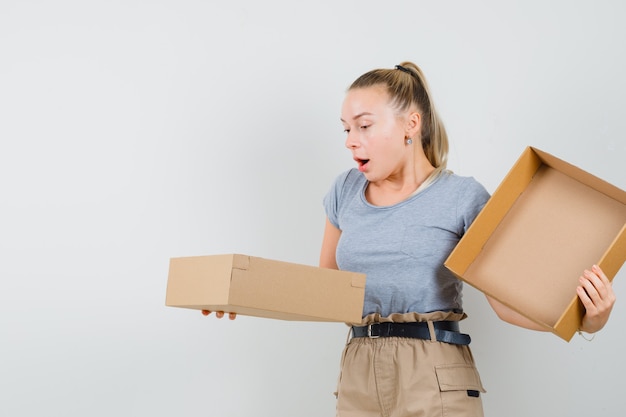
[{"x": 220, "y": 314}]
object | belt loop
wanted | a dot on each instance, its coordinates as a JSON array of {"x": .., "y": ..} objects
[{"x": 431, "y": 330}]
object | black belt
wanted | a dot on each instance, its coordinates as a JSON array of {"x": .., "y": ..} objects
[{"x": 445, "y": 331}]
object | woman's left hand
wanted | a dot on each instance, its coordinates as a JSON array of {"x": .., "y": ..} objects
[{"x": 596, "y": 293}]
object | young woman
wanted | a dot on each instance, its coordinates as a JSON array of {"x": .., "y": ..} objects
[{"x": 396, "y": 217}]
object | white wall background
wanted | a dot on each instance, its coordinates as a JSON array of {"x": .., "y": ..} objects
[{"x": 134, "y": 131}]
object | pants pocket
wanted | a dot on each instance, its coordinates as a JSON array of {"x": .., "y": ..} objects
[{"x": 460, "y": 389}]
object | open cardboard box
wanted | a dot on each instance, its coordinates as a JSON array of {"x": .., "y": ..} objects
[
  {"x": 267, "y": 288},
  {"x": 545, "y": 223}
]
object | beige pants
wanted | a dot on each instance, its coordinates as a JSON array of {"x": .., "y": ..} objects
[{"x": 401, "y": 377}]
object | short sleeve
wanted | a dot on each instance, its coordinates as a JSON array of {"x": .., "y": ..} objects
[
  {"x": 332, "y": 199},
  {"x": 472, "y": 201}
]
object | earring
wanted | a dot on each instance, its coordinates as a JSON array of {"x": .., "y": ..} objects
[{"x": 409, "y": 141}]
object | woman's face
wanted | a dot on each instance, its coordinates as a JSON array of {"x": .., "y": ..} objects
[{"x": 376, "y": 133}]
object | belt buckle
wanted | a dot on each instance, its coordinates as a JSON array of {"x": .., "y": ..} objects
[{"x": 370, "y": 334}]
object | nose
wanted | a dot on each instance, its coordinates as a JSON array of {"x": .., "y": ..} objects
[{"x": 351, "y": 141}]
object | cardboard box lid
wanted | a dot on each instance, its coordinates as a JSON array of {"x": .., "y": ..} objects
[
  {"x": 546, "y": 222},
  {"x": 265, "y": 288}
]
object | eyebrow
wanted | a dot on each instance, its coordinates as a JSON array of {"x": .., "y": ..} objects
[{"x": 358, "y": 116}]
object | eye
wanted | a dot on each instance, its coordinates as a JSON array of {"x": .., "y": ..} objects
[
  {"x": 346, "y": 130},
  {"x": 365, "y": 127}
]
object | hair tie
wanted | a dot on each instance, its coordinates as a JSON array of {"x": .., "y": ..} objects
[{"x": 403, "y": 69}]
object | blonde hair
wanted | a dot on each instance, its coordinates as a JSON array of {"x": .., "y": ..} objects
[{"x": 406, "y": 85}]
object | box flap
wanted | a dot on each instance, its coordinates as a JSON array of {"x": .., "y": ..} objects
[
  {"x": 358, "y": 281},
  {"x": 241, "y": 262}
]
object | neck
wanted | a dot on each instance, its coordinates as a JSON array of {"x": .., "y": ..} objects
[{"x": 399, "y": 186}]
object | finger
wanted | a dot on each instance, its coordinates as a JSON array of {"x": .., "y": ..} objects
[
  {"x": 206, "y": 312},
  {"x": 591, "y": 286},
  {"x": 584, "y": 298},
  {"x": 606, "y": 289},
  {"x": 598, "y": 283},
  {"x": 219, "y": 314},
  {"x": 232, "y": 316},
  {"x": 599, "y": 272}
]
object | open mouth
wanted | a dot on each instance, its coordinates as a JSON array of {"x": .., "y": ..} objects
[{"x": 362, "y": 163}]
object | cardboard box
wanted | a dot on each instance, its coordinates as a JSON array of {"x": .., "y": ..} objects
[
  {"x": 545, "y": 223},
  {"x": 265, "y": 288}
]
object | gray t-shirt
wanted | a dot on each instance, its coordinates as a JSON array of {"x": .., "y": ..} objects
[{"x": 401, "y": 248}]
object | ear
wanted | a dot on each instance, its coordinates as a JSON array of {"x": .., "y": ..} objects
[{"x": 414, "y": 124}]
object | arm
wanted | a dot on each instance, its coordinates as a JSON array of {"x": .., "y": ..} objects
[
  {"x": 511, "y": 316},
  {"x": 329, "y": 246},
  {"x": 595, "y": 292}
]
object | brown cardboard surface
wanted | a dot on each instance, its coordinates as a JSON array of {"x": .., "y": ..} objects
[
  {"x": 546, "y": 222},
  {"x": 267, "y": 288}
]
